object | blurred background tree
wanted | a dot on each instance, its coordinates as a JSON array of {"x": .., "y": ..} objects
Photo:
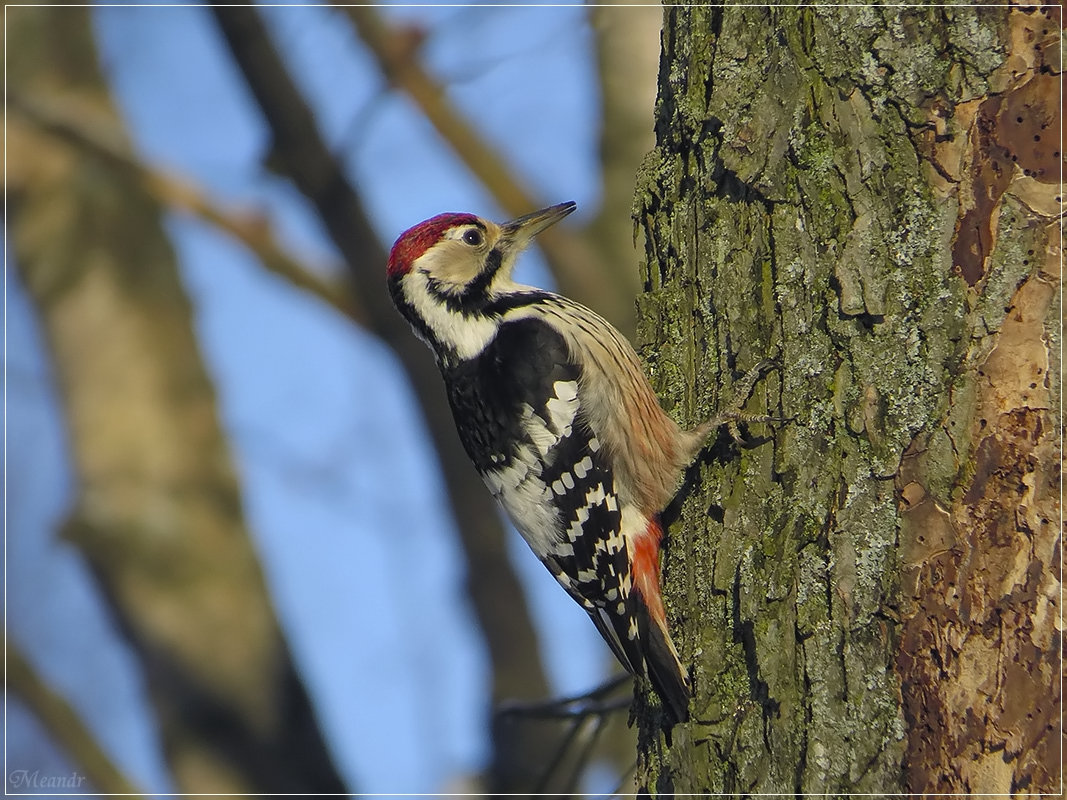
[{"x": 231, "y": 555}]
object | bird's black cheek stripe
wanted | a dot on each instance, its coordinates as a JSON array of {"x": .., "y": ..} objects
[
  {"x": 474, "y": 298},
  {"x": 467, "y": 303},
  {"x": 476, "y": 294},
  {"x": 492, "y": 264}
]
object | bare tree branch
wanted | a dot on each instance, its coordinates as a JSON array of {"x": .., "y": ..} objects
[
  {"x": 64, "y": 725},
  {"x": 300, "y": 153},
  {"x": 595, "y": 701},
  {"x": 181, "y": 194},
  {"x": 398, "y": 60}
]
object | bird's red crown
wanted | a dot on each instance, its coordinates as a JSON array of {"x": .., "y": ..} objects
[{"x": 417, "y": 239}]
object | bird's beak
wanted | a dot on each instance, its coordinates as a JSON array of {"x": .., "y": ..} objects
[{"x": 522, "y": 230}]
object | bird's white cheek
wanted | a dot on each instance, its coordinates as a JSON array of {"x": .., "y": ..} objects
[{"x": 465, "y": 335}]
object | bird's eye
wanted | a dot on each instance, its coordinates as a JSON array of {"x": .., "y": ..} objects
[{"x": 473, "y": 237}]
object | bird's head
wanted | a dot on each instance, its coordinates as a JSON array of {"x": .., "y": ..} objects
[
  {"x": 463, "y": 257},
  {"x": 444, "y": 272}
]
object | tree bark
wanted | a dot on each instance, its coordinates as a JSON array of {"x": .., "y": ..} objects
[{"x": 866, "y": 591}]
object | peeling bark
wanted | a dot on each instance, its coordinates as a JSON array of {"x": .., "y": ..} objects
[
  {"x": 979, "y": 536},
  {"x": 858, "y": 194},
  {"x": 979, "y": 652}
]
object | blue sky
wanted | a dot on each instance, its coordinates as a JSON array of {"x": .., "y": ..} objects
[{"x": 338, "y": 483}]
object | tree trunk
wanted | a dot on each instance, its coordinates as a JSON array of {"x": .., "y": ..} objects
[
  {"x": 867, "y": 590},
  {"x": 158, "y": 514}
]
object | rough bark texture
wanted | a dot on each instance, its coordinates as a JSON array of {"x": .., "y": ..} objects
[
  {"x": 158, "y": 513},
  {"x": 867, "y": 592},
  {"x": 979, "y": 492}
]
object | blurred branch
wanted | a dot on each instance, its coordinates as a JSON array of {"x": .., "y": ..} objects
[
  {"x": 586, "y": 716},
  {"x": 300, "y": 153},
  {"x": 627, "y": 776},
  {"x": 104, "y": 140},
  {"x": 570, "y": 749},
  {"x": 577, "y": 262},
  {"x": 626, "y": 40},
  {"x": 64, "y": 725},
  {"x": 396, "y": 54}
]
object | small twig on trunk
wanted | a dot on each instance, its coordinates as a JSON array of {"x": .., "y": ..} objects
[{"x": 589, "y": 703}]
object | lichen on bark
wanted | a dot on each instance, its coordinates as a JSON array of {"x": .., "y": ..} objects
[{"x": 795, "y": 208}]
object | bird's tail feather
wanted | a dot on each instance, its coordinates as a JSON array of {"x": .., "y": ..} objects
[{"x": 663, "y": 665}]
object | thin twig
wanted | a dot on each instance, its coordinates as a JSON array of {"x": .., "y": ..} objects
[
  {"x": 584, "y": 754},
  {"x": 561, "y": 753},
  {"x": 64, "y": 725},
  {"x": 618, "y": 790},
  {"x": 581, "y": 705}
]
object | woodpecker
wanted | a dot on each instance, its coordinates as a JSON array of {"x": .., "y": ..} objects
[{"x": 554, "y": 409}]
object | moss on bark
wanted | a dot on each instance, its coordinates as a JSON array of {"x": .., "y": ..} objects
[{"x": 798, "y": 207}]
